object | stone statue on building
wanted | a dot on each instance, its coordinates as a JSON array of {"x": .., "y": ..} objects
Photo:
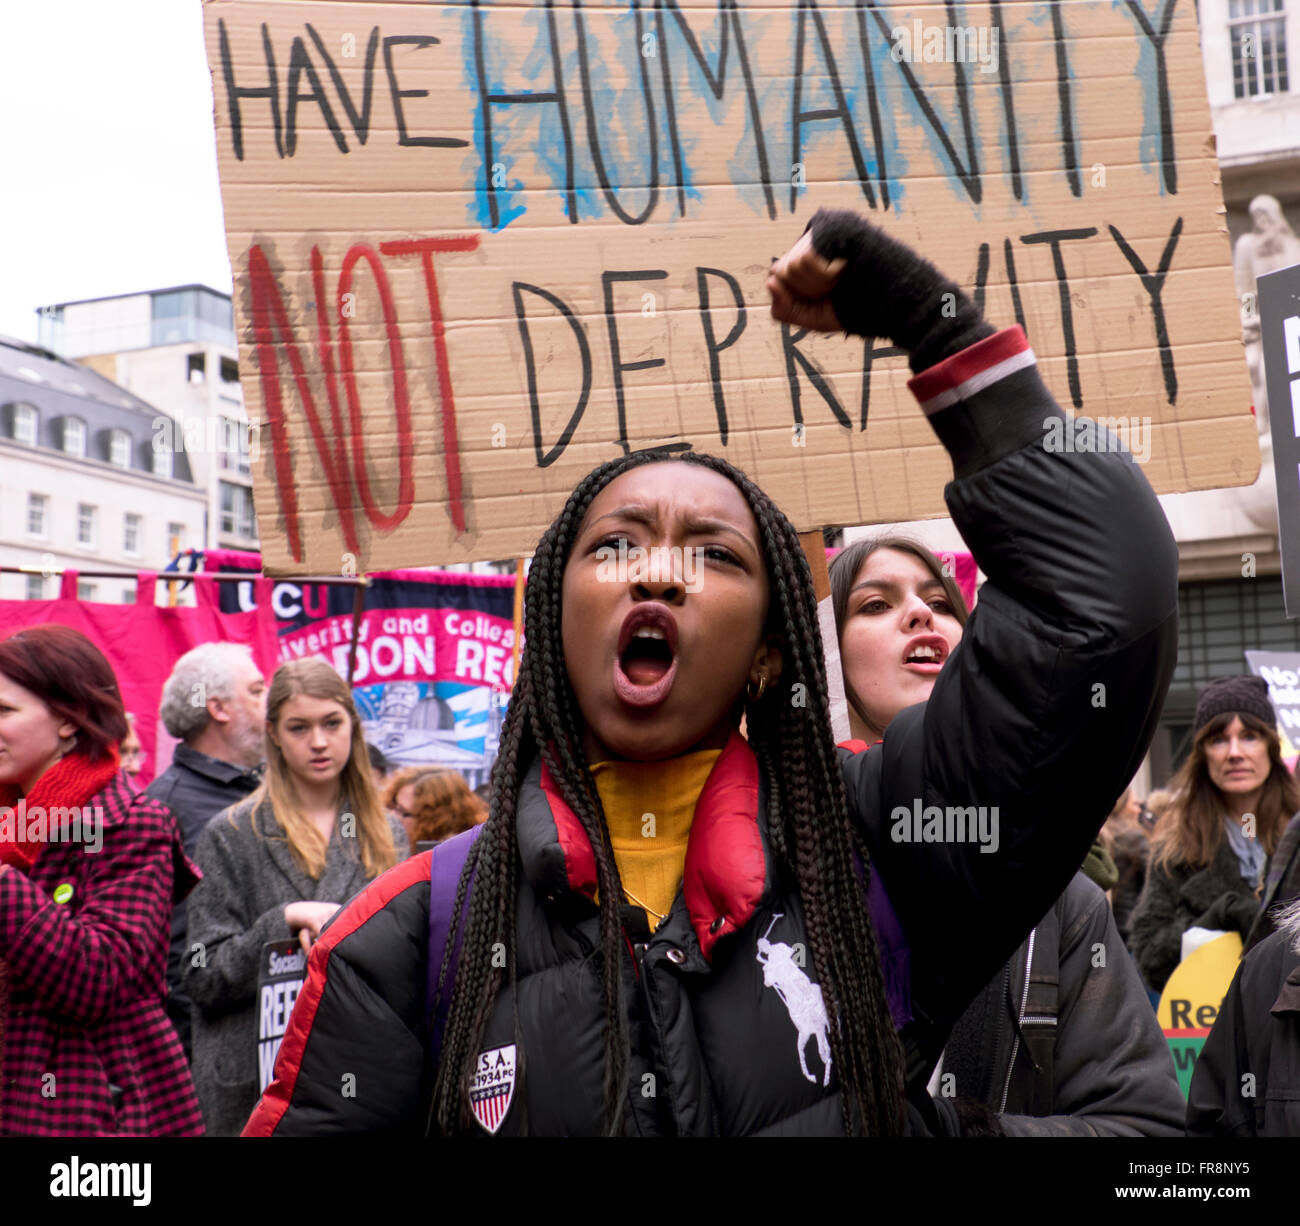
[{"x": 1268, "y": 245}]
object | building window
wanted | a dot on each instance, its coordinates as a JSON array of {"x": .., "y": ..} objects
[
  {"x": 229, "y": 370},
  {"x": 119, "y": 449},
  {"x": 131, "y": 535},
  {"x": 86, "y": 590},
  {"x": 237, "y": 512},
  {"x": 74, "y": 436},
  {"x": 85, "y": 525},
  {"x": 35, "y": 587},
  {"x": 25, "y": 424},
  {"x": 175, "y": 538},
  {"x": 234, "y": 446},
  {"x": 38, "y": 509},
  {"x": 162, "y": 461},
  {"x": 196, "y": 367},
  {"x": 1257, "y": 31}
]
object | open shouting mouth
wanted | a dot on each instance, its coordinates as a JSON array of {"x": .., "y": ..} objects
[
  {"x": 646, "y": 664},
  {"x": 925, "y": 654}
]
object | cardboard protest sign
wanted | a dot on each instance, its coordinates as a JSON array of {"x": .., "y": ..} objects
[
  {"x": 480, "y": 247},
  {"x": 1281, "y": 670},
  {"x": 434, "y": 659},
  {"x": 1279, "y": 334},
  {"x": 281, "y": 971},
  {"x": 1192, "y": 999}
]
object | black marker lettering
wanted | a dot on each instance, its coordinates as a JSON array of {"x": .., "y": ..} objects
[
  {"x": 1154, "y": 283},
  {"x": 1009, "y": 256},
  {"x": 417, "y": 41},
  {"x": 1069, "y": 146},
  {"x": 714, "y": 346},
  {"x": 360, "y": 120},
  {"x": 235, "y": 92},
  {"x": 981, "y": 277},
  {"x": 873, "y": 107},
  {"x": 1055, "y": 238},
  {"x": 839, "y": 111},
  {"x": 608, "y": 280},
  {"x": 729, "y": 22},
  {"x": 969, "y": 171},
  {"x": 520, "y": 288},
  {"x": 1166, "y": 15},
  {"x": 487, "y": 100},
  {"x": 1008, "y": 105},
  {"x": 793, "y": 359},
  {"x": 870, "y": 352},
  {"x": 595, "y": 119},
  {"x": 300, "y": 65}
]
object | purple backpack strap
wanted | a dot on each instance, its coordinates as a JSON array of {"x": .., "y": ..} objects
[
  {"x": 895, "y": 956},
  {"x": 446, "y": 862}
]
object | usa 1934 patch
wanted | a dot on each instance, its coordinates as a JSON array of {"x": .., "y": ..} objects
[{"x": 493, "y": 1087}]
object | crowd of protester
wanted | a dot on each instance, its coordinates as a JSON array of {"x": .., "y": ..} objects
[{"x": 976, "y": 995}]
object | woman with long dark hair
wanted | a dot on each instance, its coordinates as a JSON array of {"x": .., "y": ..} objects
[
  {"x": 665, "y": 928},
  {"x": 899, "y": 616},
  {"x": 276, "y": 865},
  {"x": 1233, "y": 797},
  {"x": 89, "y": 873},
  {"x": 1058, "y": 1042}
]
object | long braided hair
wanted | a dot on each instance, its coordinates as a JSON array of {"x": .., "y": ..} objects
[{"x": 808, "y": 827}]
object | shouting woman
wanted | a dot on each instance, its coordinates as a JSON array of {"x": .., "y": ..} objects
[{"x": 666, "y": 929}]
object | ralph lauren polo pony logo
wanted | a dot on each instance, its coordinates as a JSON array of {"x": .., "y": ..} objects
[
  {"x": 493, "y": 1087},
  {"x": 802, "y": 999}
]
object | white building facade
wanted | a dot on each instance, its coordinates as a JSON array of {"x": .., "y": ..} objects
[
  {"x": 81, "y": 485},
  {"x": 175, "y": 348}
]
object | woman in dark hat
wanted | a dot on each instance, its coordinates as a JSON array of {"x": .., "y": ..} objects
[{"x": 1233, "y": 798}]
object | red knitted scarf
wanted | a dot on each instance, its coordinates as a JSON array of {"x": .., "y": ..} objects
[{"x": 69, "y": 783}]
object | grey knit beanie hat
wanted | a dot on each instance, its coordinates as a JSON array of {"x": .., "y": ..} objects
[{"x": 1238, "y": 695}]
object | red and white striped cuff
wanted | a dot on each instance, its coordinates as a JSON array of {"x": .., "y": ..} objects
[{"x": 972, "y": 370}]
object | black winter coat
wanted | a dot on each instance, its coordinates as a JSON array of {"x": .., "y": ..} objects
[
  {"x": 1175, "y": 896},
  {"x": 1063, "y": 1042},
  {"x": 1247, "y": 1078},
  {"x": 195, "y": 787},
  {"x": 1061, "y": 675}
]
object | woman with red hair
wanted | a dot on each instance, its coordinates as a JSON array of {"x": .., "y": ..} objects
[
  {"x": 432, "y": 804},
  {"x": 88, "y": 875}
]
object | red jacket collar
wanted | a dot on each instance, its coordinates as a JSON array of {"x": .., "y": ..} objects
[{"x": 726, "y": 873}]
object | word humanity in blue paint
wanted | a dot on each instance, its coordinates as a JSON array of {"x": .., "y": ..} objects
[{"x": 842, "y": 91}]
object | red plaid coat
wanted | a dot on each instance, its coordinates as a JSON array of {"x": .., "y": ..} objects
[{"x": 86, "y": 981}]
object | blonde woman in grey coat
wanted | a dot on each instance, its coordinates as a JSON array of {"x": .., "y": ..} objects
[{"x": 276, "y": 866}]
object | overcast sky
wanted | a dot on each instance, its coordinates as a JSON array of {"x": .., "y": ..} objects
[{"x": 109, "y": 164}]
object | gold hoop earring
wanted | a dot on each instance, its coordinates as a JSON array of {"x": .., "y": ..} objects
[{"x": 762, "y": 686}]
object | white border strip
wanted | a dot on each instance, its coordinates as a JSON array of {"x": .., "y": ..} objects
[{"x": 977, "y": 383}]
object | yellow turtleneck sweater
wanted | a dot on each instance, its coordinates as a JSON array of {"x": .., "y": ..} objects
[{"x": 649, "y": 807}]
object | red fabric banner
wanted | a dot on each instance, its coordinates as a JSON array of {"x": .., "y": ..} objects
[{"x": 143, "y": 642}]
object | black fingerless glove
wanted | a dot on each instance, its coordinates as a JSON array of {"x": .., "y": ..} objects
[{"x": 888, "y": 290}]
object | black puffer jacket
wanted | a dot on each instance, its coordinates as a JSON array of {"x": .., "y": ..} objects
[
  {"x": 1247, "y": 1078},
  {"x": 1063, "y": 1042},
  {"x": 1060, "y": 675}
]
